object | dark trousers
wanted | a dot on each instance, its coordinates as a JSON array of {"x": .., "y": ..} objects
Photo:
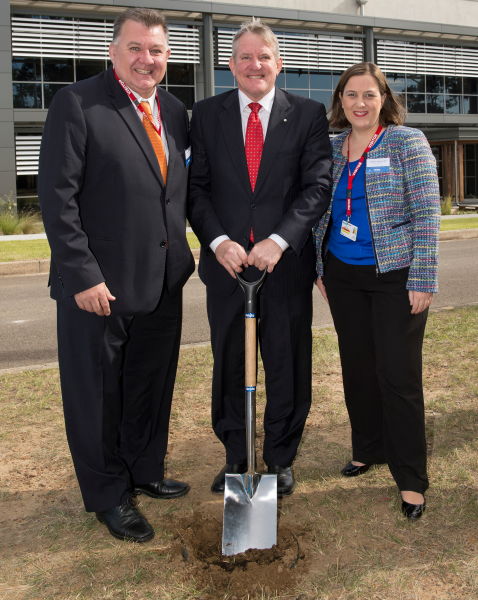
[
  {"x": 285, "y": 339},
  {"x": 117, "y": 378},
  {"x": 380, "y": 345}
]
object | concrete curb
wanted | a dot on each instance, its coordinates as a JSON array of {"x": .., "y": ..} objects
[
  {"x": 24, "y": 267},
  {"x": 31, "y": 267},
  {"x": 458, "y": 234}
]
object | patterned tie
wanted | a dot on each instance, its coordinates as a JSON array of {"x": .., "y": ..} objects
[
  {"x": 254, "y": 145},
  {"x": 156, "y": 141}
]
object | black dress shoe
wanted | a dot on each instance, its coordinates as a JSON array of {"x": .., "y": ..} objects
[
  {"x": 352, "y": 470},
  {"x": 125, "y": 522},
  {"x": 168, "y": 488},
  {"x": 285, "y": 480},
  {"x": 219, "y": 482},
  {"x": 413, "y": 511}
]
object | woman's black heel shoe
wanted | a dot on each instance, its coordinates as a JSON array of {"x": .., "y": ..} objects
[
  {"x": 413, "y": 511},
  {"x": 352, "y": 470}
]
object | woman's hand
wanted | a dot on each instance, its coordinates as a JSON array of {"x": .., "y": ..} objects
[
  {"x": 419, "y": 301},
  {"x": 320, "y": 284}
]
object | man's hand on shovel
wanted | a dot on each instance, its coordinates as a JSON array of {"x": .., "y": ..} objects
[
  {"x": 232, "y": 257},
  {"x": 265, "y": 254}
]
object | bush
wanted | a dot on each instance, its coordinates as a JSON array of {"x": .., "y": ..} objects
[
  {"x": 446, "y": 205},
  {"x": 31, "y": 222},
  {"x": 12, "y": 223}
]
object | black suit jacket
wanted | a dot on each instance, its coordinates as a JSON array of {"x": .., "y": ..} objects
[
  {"x": 292, "y": 192},
  {"x": 106, "y": 210}
]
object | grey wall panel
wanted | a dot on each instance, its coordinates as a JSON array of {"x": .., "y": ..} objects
[
  {"x": 6, "y": 62},
  {"x": 5, "y": 35},
  {"x": 6, "y": 98},
  {"x": 7, "y": 160},
  {"x": 6, "y": 134},
  {"x": 30, "y": 115},
  {"x": 6, "y": 114},
  {"x": 8, "y": 183}
]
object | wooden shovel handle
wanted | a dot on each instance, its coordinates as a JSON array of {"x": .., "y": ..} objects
[{"x": 251, "y": 351}]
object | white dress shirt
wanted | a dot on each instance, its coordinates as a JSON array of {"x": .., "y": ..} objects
[
  {"x": 155, "y": 111},
  {"x": 264, "y": 115}
]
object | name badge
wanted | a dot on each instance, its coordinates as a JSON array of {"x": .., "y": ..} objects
[
  {"x": 187, "y": 156},
  {"x": 349, "y": 231},
  {"x": 378, "y": 165}
]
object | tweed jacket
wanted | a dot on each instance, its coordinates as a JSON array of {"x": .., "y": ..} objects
[{"x": 403, "y": 206}]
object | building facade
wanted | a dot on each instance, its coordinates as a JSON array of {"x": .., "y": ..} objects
[{"x": 428, "y": 51}]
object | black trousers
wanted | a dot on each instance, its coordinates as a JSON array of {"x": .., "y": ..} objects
[
  {"x": 117, "y": 378},
  {"x": 380, "y": 345},
  {"x": 285, "y": 340}
]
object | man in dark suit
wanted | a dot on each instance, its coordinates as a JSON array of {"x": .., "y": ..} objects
[
  {"x": 260, "y": 179},
  {"x": 112, "y": 187}
]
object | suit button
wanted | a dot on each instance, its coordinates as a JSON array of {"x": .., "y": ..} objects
[
  {"x": 167, "y": 200},
  {"x": 253, "y": 206},
  {"x": 163, "y": 244}
]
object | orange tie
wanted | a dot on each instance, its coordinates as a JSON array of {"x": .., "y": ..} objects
[{"x": 155, "y": 140}]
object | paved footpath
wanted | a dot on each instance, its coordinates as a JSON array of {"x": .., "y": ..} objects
[{"x": 28, "y": 316}]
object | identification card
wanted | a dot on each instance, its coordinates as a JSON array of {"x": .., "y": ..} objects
[
  {"x": 378, "y": 165},
  {"x": 349, "y": 231},
  {"x": 187, "y": 156}
]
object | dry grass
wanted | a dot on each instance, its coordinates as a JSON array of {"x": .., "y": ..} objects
[{"x": 361, "y": 549}]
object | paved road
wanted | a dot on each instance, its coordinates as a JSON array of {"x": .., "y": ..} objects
[{"x": 27, "y": 314}]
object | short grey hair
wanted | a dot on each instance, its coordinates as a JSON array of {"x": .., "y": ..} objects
[
  {"x": 146, "y": 16},
  {"x": 257, "y": 27}
]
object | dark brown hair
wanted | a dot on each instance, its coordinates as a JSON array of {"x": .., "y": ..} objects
[
  {"x": 146, "y": 16},
  {"x": 393, "y": 112}
]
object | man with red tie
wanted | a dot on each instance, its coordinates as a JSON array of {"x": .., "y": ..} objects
[
  {"x": 260, "y": 179},
  {"x": 112, "y": 184}
]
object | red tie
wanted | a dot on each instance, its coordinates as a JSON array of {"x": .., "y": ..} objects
[{"x": 254, "y": 145}]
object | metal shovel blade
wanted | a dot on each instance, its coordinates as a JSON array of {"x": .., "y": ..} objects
[{"x": 249, "y": 522}]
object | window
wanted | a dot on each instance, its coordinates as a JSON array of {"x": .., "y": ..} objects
[
  {"x": 179, "y": 81},
  {"x": 49, "y": 75},
  {"x": 317, "y": 85},
  {"x": 438, "y": 154},
  {"x": 436, "y": 94},
  {"x": 470, "y": 156},
  {"x": 51, "y": 52},
  {"x": 313, "y": 64}
]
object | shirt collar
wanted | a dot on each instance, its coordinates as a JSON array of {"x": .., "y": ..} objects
[
  {"x": 266, "y": 102},
  {"x": 151, "y": 99}
]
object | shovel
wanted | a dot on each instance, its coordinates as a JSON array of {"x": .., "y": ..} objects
[{"x": 250, "y": 500}]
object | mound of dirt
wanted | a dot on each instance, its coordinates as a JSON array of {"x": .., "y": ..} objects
[{"x": 198, "y": 544}]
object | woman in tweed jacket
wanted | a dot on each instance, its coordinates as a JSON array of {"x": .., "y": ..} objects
[{"x": 377, "y": 262}]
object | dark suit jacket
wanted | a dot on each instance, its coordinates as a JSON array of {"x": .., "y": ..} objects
[
  {"x": 106, "y": 210},
  {"x": 292, "y": 192}
]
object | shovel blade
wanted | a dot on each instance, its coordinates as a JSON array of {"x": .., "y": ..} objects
[{"x": 249, "y": 522}]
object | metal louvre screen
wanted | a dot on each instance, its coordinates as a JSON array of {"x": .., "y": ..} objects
[
  {"x": 428, "y": 59},
  {"x": 224, "y": 46},
  {"x": 55, "y": 38},
  {"x": 303, "y": 51},
  {"x": 339, "y": 53},
  {"x": 27, "y": 151},
  {"x": 184, "y": 44},
  {"x": 44, "y": 38},
  {"x": 299, "y": 52}
]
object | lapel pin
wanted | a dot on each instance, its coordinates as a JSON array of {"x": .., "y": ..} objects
[{"x": 285, "y": 120}]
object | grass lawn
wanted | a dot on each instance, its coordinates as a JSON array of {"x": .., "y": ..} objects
[
  {"x": 27, "y": 250},
  {"x": 353, "y": 542},
  {"x": 37, "y": 249},
  {"x": 449, "y": 224}
]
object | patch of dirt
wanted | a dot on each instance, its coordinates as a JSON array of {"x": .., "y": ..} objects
[{"x": 197, "y": 547}]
